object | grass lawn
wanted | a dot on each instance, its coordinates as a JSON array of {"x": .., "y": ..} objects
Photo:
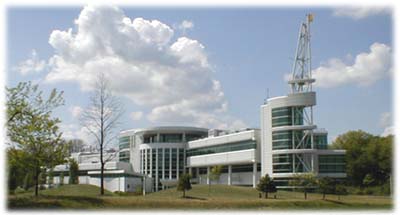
[{"x": 221, "y": 197}]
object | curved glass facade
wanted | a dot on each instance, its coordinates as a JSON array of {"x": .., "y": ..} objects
[
  {"x": 284, "y": 116},
  {"x": 124, "y": 142}
]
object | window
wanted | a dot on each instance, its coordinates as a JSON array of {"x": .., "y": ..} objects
[
  {"x": 236, "y": 146},
  {"x": 287, "y": 116},
  {"x": 124, "y": 142},
  {"x": 124, "y": 156},
  {"x": 332, "y": 164}
]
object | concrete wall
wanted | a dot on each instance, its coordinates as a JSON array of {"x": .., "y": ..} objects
[{"x": 240, "y": 178}]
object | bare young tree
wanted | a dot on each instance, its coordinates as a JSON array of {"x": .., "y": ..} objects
[{"x": 101, "y": 118}]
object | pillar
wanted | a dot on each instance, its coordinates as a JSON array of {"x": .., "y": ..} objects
[
  {"x": 208, "y": 175},
  {"x": 254, "y": 175},
  {"x": 230, "y": 175}
]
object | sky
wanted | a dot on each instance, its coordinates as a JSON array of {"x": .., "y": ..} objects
[{"x": 206, "y": 67}]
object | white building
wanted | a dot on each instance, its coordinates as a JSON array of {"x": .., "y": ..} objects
[{"x": 288, "y": 144}]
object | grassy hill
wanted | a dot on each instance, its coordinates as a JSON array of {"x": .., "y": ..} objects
[{"x": 221, "y": 197}]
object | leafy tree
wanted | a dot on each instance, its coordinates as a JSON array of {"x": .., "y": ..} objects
[
  {"x": 215, "y": 174},
  {"x": 73, "y": 172},
  {"x": 42, "y": 179},
  {"x": 16, "y": 168},
  {"x": 184, "y": 184},
  {"x": 31, "y": 128},
  {"x": 61, "y": 178},
  {"x": 366, "y": 154},
  {"x": 368, "y": 180},
  {"x": 266, "y": 185},
  {"x": 304, "y": 182},
  {"x": 101, "y": 119},
  {"x": 28, "y": 181},
  {"x": 340, "y": 190},
  {"x": 50, "y": 181},
  {"x": 326, "y": 185}
]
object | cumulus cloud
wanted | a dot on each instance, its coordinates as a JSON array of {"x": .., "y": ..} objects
[
  {"x": 32, "y": 65},
  {"x": 73, "y": 131},
  {"x": 136, "y": 115},
  {"x": 360, "y": 12},
  {"x": 185, "y": 25},
  {"x": 141, "y": 62},
  {"x": 366, "y": 69},
  {"x": 386, "y": 122}
]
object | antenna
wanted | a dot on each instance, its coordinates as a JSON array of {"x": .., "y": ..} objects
[{"x": 302, "y": 80}]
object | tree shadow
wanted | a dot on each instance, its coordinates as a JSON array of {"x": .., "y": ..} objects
[
  {"x": 193, "y": 197},
  {"x": 336, "y": 202}
]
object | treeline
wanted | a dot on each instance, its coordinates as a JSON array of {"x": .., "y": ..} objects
[{"x": 368, "y": 161}]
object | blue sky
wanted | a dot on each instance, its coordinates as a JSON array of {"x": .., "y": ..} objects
[{"x": 245, "y": 50}]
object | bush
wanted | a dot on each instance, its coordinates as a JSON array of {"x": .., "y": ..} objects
[
  {"x": 138, "y": 190},
  {"x": 120, "y": 193},
  {"x": 19, "y": 190}
]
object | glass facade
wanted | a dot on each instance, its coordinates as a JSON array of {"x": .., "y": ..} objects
[
  {"x": 124, "y": 156},
  {"x": 283, "y": 163},
  {"x": 171, "y": 138},
  {"x": 332, "y": 164},
  {"x": 321, "y": 141},
  {"x": 124, "y": 142},
  {"x": 284, "y": 116},
  {"x": 237, "y": 146}
]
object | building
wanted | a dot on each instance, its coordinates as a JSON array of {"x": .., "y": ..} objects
[
  {"x": 158, "y": 152},
  {"x": 287, "y": 145},
  {"x": 291, "y": 143}
]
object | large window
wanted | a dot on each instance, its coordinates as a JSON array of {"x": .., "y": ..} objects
[
  {"x": 124, "y": 156},
  {"x": 237, "y": 146},
  {"x": 286, "y": 139},
  {"x": 332, "y": 164},
  {"x": 287, "y": 116},
  {"x": 124, "y": 142},
  {"x": 171, "y": 138},
  {"x": 321, "y": 141},
  {"x": 282, "y": 163}
]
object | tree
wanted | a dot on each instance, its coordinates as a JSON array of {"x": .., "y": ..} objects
[
  {"x": 266, "y": 185},
  {"x": 304, "y": 182},
  {"x": 215, "y": 174},
  {"x": 184, "y": 184},
  {"x": 366, "y": 154},
  {"x": 42, "y": 179},
  {"x": 28, "y": 181},
  {"x": 101, "y": 119},
  {"x": 326, "y": 185},
  {"x": 61, "y": 178},
  {"x": 50, "y": 180},
  {"x": 368, "y": 180},
  {"x": 31, "y": 128},
  {"x": 340, "y": 190},
  {"x": 73, "y": 172}
]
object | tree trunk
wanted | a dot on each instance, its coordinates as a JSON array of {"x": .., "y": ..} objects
[
  {"x": 305, "y": 194},
  {"x": 323, "y": 196},
  {"x": 102, "y": 179},
  {"x": 37, "y": 180},
  {"x": 184, "y": 196}
]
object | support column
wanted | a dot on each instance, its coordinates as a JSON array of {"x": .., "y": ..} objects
[
  {"x": 254, "y": 175},
  {"x": 198, "y": 175},
  {"x": 229, "y": 174},
  {"x": 156, "y": 169},
  {"x": 208, "y": 175},
  {"x": 170, "y": 163}
]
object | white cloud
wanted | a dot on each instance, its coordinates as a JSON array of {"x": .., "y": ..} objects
[
  {"x": 388, "y": 131},
  {"x": 185, "y": 25},
  {"x": 73, "y": 131},
  {"x": 366, "y": 69},
  {"x": 31, "y": 65},
  {"x": 386, "y": 122},
  {"x": 360, "y": 12},
  {"x": 172, "y": 78},
  {"x": 76, "y": 111},
  {"x": 136, "y": 115}
]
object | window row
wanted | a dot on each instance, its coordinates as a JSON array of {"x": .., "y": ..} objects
[{"x": 222, "y": 148}]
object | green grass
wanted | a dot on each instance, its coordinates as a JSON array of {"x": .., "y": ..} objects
[{"x": 221, "y": 197}]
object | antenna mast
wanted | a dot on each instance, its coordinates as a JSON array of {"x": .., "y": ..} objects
[{"x": 302, "y": 80}]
